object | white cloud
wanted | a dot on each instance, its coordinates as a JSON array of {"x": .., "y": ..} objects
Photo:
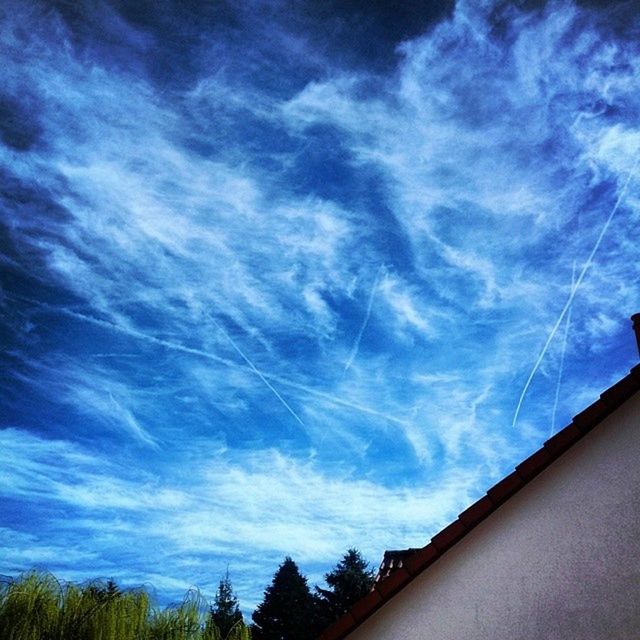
[
  {"x": 496, "y": 164},
  {"x": 258, "y": 503}
]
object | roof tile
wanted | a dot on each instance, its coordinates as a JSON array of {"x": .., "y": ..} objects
[
  {"x": 421, "y": 559},
  {"x": 620, "y": 391},
  {"x": 505, "y": 488},
  {"x": 365, "y": 606},
  {"x": 476, "y": 512},
  {"x": 394, "y": 582},
  {"x": 534, "y": 464},
  {"x": 562, "y": 440},
  {"x": 339, "y": 628},
  {"x": 449, "y": 536},
  {"x": 591, "y": 416}
]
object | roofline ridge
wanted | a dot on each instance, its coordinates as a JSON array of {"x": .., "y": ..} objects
[{"x": 550, "y": 451}]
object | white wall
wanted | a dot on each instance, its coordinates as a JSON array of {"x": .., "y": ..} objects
[{"x": 560, "y": 560}]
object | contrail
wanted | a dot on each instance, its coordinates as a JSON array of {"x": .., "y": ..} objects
[
  {"x": 130, "y": 420},
  {"x": 327, "y": 397},
  {"x": 125, "y": 331},
  {"x": 569, "y": 301},
  {"x": 175, "y": 346},
  {"x": 356, "y": 344},
  {"x": 257, "y": 372},
  {"x": 170, "y": 345},
  {"x": 563, "y": 352}
]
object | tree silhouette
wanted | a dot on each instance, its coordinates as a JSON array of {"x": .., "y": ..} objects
[
  {"x": 287, "y": 611},
  {"x": 348, "y": 582},
  {"x": 225, "y": 611}
]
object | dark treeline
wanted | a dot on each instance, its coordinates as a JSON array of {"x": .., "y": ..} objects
[
  {"x": 35, "y": 606},
  {"x": 291, "y": 611}
]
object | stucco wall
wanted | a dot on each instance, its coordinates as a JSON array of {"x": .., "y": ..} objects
[{"x": 560, "y": 560}]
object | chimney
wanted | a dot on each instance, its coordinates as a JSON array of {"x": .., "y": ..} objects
[{"x": 635, "y": 318}]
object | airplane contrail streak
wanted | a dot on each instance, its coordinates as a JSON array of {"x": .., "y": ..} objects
[
  {"x": 257, "y": 372},
  {"x": 562, "y": 355},
  {"x": 175, "y": 346},
  {"x": 572, "y": 294},
  {"x": 356, "y": 344}
]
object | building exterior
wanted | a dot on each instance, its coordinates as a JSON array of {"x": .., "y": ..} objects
[{"x": 550, "y": 552}]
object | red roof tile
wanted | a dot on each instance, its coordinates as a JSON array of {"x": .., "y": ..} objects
[
  {"x": 562, "y": 440},
  {"x": 421, "y": 559},
  {"x": 392, "y": 561},
  {"x": 477, "y": 512},
  {"x": 363, "y": 608},
  {"x": 449, "y": 536},
  {"x": 620, "y": 391},
  {"x": 339, "y": 628},
  {"x": 591, "y": 416},
  {"x": 393, "y": 583},
  {"x": 534, "y": 464},
  {"x": 504, "y": 489},
  {"x": 414, "y": 562}
]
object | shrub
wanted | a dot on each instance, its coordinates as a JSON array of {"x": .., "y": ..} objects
[{"x": 35, "y": 606}]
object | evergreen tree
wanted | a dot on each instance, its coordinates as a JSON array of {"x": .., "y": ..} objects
[
  {"x": 112, "y": 588},
  {"x": 225, "y": 612},
  {"x": 287, "y": 610},
  {"x": 348, "y": 582}
]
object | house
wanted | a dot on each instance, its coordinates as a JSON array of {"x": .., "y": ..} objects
[{"x": 552, "y": 551}]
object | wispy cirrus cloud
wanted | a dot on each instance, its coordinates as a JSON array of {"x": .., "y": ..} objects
[
  {"x": 217, "y": 511},
  {"x": 239, "y": 259}
]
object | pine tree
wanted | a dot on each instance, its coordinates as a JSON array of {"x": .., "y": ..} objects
[
  {"x": 225, "y": 612},
  {"x": 112, "y": 588},
  {"x": 348, "y": 582},
  {"x": 287, "y": 610}
]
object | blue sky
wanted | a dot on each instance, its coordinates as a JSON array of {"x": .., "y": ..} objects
[{"x": 280, "y": 278}]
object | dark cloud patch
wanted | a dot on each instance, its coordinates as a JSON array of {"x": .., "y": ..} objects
[
  {"x": 29, "y": 200},
  {"x": 20, "y": 128},
  {"x": 617, "y": 19},
  {"x": 177, "y": 30},
  {"x": 336, "y": 176},
  {"x": 611, "y": 5},
  {"x": 173, "y": 43},
  {"x": 99, "y": 35},
  {"x": 208, "y": 132},
  {"x": 330, "y": 176},
  {"x": 277, "y": 45},
  {"x": 500, "y": 16},
  {"x": 177, "y": 21},
  {"x": 365, "y": 34},
  {"x": 388, "y": 237},
  {"x": 30, "y": 212}
]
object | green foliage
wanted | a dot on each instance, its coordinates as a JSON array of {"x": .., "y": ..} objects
[
  {"x": 348, "y": 582},
  {"x": 211, "y": 631},
  {"x": 177, "y": 623},
  {"x": 30, "y": 608},
  {"x": 225, "y": 612},
  {"x": 94, "y": 612},
  {"x": 36, "y": 606},
  {"x": 287, "y": 610}
]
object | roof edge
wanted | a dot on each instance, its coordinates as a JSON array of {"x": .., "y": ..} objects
[{"x": 552, "y": 449}]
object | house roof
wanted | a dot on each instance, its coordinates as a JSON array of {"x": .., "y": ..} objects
[
  {"x": 391, "y": 561},
  {"x": 399, "y": 568}
]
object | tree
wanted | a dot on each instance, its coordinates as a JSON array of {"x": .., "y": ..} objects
[
  {"x": 348, "y": 582},
  {"x": 287, "y": 610},
  {"x": 225, "y": 611}
]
